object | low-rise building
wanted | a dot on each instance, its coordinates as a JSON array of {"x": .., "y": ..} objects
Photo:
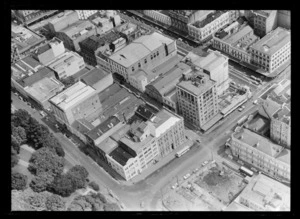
[
  {"x": 145, "y": 53},
  {"x": 272, "y": 51},
  {"x": 44, "y": 89},
  {"x": 260, "y": 152},
  {"x": 50, "y": 51},
  {"x": 75, "y": 33},
  {"x": 181, "y": 18},
  {"x": 25, "y": 40},
  {"x": 159, "y": 15},
  {"x": 265, "y": 194},
  {"x": 76, "y": 102},
  {"x": 210, "y": 23},
  {"x": 67, "y": 64},
  {"x": 85, "y": 14},
  {"x": 98, "y": 79},
  {"x": 235, "y": 41}
]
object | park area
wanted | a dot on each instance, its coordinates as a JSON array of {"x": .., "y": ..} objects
[{"x": 212, "y": 188}]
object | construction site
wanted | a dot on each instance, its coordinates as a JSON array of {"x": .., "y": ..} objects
[{"x": 212, "y": 188}]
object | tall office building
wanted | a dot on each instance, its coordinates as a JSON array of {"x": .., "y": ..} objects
[{"x": 197, "y": 99}]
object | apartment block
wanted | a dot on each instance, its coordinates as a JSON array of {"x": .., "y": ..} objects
[
  {"x": 197, "y": 99},
  {"x": 67, "y": 64},
  {"x": 272, "y": 159},
  {"x": 272, "y": 51},
  {"x": 284, "y": 19}
]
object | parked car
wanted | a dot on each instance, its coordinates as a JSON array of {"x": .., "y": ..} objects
[
  {"x": 174, "y": 186},
  {"x": 198, "y": 141},
  {"x": 195, "y": 170},
  {"x": 255, "y": 102},
  {"x": 187, "y": 176},
  {"x": 204, "y": 163}
]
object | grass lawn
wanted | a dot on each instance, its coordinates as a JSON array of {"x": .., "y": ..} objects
[{"x": 25, "y": 154}]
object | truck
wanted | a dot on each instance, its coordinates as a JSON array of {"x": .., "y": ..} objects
[
  {"x": 182, "y": 151},
  {"x": 242, "y": 120}
]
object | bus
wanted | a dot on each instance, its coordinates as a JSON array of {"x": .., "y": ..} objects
[
  {"x": 182, "y": 151},
  {"x": 246, "y": 171}
]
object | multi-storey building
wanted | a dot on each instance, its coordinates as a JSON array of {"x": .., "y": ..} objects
[
  {"x": 181, "y": 18},
  {"x": 94, "y": 45},
  {"x": 260, "y": 152},
  {"x": 197, "y": 99},
  {"x": 284, "y": 19},
  {"x": 215, "y": 65},
  {"x": 235, "y": 41},
  {"x": 265, "y": 194},
  {"x": 211, "y": 22},
  {"x": 15, "y": 56},
  {"x": 67, "y": 64},
  {"x": 272, "y": 51},
  {"x": 262, "y": 21},
  {"x": 61, "y": 21},
  {"x": 85, "y": 14},
  {"x": 159, "y": 15},
  {"x": 30, "y": 16},
  {"x": 76, "y": 102},
  {"x": 50, "y": 51},
  {"x": 75, "y": 33},
  {"x": 145, "y": 53}
]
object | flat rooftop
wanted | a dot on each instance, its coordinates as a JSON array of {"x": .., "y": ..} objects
[
  {"x": 273, "y": 41},
  {"x": 135, "y": 146},
  {"x": 103, "y": 127},
  {"x": 45, "y": 89},
  {"x": 120, "y": 155},
  {"x": 212, "y": 61},
  {"x": 93, "y": 76},
  {"x": 194, "y": 86},
  {"x": 108, "y": 145},
  {"x": 64, "y": 60},
  {"x": 62, "y": 16},
  {"x": 283, "y": 115},
  {"x": 73, "y": 95},
  {"x": 78, "y": 28},
  {"x": 210, "y": 16},
  {"x": 234, "y": 38},
  {"x": 139, "y": 48},
  {"x": 24, "y": 38},
  {"x": 267, "y": 193},
  {"x": 260, "y": 143},
  {"x": 47, "y": 46}
]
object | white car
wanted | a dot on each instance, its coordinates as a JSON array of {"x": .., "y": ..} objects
[
  {"x": 174, "y": 186},
  {"x": 255, "y": 102},
  {"x": 187, "y": 176},
  {"x": 195, "y": 170},
  {"x": 204, "y": 163}
]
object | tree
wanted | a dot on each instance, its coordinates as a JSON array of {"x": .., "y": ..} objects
[
  {"x": 68, "y": 81},
  {"x": 41, "y": 182},
  {"x": 14, "y": 158},
  {"x": 111, "y": 207},
  {"x": 52, "y": 142},
  {"x": 19, "y": 134},
  {"x": 63, "y": 185},
  {"x": 94, "y": 186},
  {"x": 100, "y": 197},
  {"x": 36, "y": 134},
  {"x": 15, "y": 144},
  {"x": 46, "y": 160},
  {"x": 20, "y": 118},
  {"x": 38, "y": 200},
  {"x": 80, "y": 204},
  {"x": 55, "y": 203},
  {"x": 78, "y": 174},
  {"x": 18, "y": 181}
]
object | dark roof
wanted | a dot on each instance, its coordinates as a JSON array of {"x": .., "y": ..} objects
[
  {"x": 35, "y": 77},
  {"x": 96, "y": 41},
  {"x": 94, "y": 76},
  {"x": 114, "y": 88},
  {"x": 31, "y": 61},
  {"x": 103, "y": 127},
  {"x": 208, "y": 19},
  {"x": 120, "y": 155},
  {"x": 143, "y": 112},
  {"x": 43, "y": 49}
]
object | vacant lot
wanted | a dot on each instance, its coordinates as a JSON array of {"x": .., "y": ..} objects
[{"x": 221, "y": 183}]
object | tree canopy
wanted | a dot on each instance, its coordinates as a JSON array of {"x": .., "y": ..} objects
[
  {"x": 41, "y": 182},
  {"x": 63, "y": 185},
  {"x": 18, "y": 181},
  {"x": 55, "y": 203},
  {"x": 46, "y": 160},
  {"x": 14, "y": 158}
]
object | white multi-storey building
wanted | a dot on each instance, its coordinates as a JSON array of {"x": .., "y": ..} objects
[{"x": 84, "y": 14}]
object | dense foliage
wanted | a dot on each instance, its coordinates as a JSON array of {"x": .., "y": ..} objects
[
  {"x": 55, "y": 203},
  {"x": 94, "y": 186},
  {"x": 14, "y": 158},
  {"x": 46, "y": 160},
  {"x": 18, "y": 181},
  {"x": 41, "y": 182}
]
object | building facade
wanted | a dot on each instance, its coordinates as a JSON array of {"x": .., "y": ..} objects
[
  {"x": 272, "y": 51},
  {"x": 197, "y": 99},
  {"x": 85, "y": 14},
  {"x": 205, "y": 28},
  {"x": 159, "y": 16},
  {"x": 284, "y": 19},
  {"x": 263, "y": 21},
  {"x": 67, "y": 65},
  {"x": 258, "y": 151}
]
